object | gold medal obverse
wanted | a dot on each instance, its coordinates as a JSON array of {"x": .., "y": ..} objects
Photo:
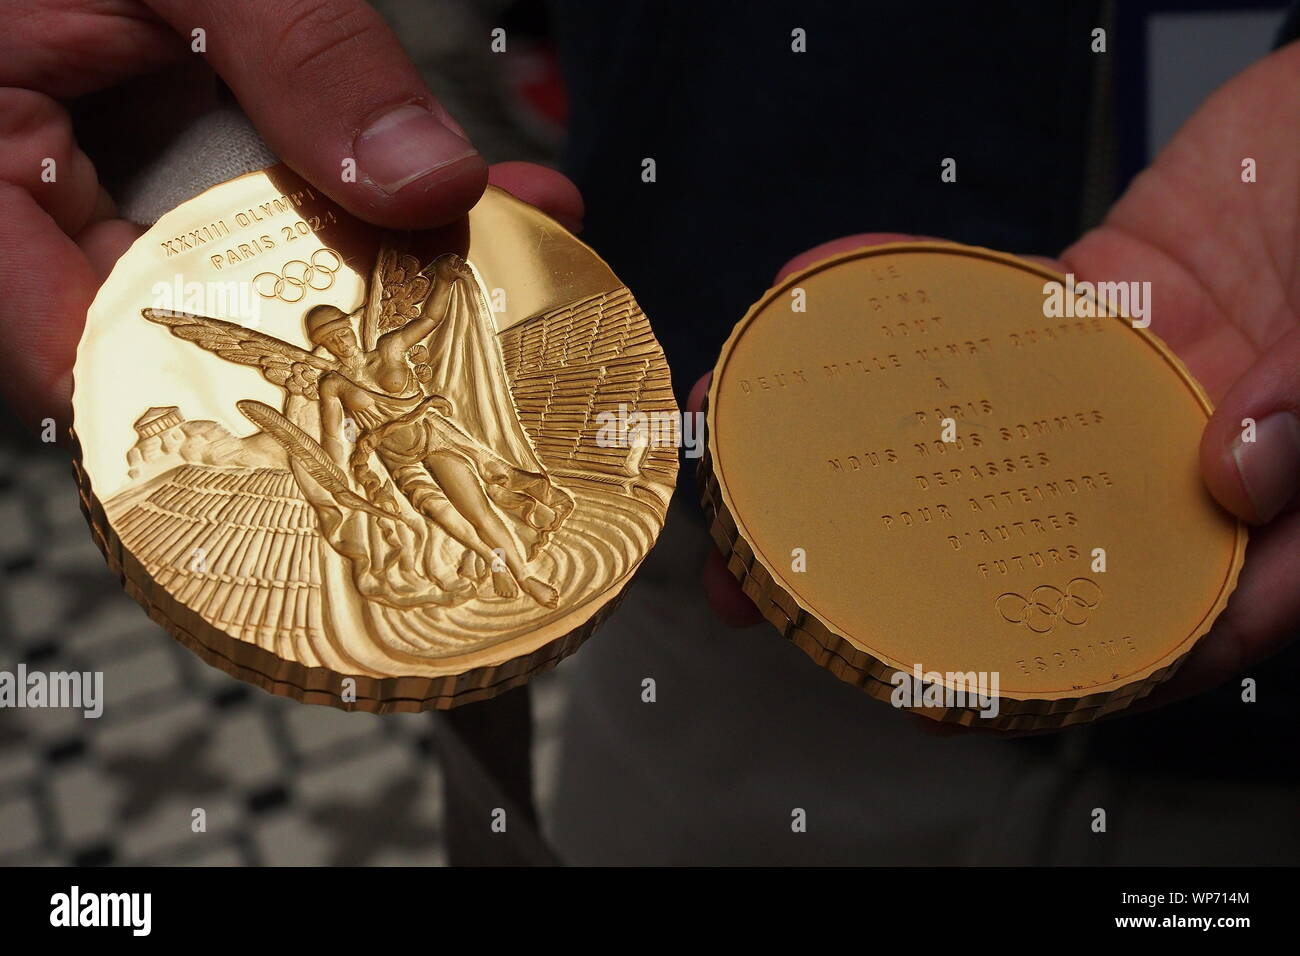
[{"x": 378, "y": 471}]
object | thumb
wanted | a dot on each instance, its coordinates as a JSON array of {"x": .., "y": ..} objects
[
  {"x": 1250, "y": 451},
  {"x": 332, "y": 92}
]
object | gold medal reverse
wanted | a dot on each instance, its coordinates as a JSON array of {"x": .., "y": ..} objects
[
  {"x": 926, "y": 479},
  {"x": 378, "y": 471}
]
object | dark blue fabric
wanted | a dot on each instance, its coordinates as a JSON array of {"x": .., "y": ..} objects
[{"x": 762, "y": 153}]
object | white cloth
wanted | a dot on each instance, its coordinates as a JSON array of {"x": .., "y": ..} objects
[{"x": 217, "y": 147}]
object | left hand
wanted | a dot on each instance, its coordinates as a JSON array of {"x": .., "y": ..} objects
[{"x": 311, "y": 76}]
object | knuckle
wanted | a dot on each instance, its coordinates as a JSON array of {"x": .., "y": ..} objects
[
  {"x": 68, "y": 48},
  {"x": 12, "y": 197},
  {"x": 318, "y": 36},
  {"x": 26, "y": 114},
  {"x": 36, "y": 137}
]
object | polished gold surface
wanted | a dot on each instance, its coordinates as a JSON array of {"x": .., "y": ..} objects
[
  {"x": 880, "y": 548},
  {"x": 369, "y": 470}
]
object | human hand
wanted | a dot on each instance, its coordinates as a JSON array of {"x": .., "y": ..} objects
[
  {"x": 1221, "y": 255},
  {"x": 323, "y": 81}
]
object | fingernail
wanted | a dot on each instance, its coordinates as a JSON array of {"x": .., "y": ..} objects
[
  {"x": 405, "y": 145},
  {"x": 1269, "y": 466}
]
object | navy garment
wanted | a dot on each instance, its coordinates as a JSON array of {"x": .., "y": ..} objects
[{"x": 762, "y": 153}]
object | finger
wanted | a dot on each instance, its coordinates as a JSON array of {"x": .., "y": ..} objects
[
  {"x": 106, "y": 237},
  {"x": 39, "y": 154},
  {"x": 72, "y": 49},
  {"x": 105, "y": 208},
  {"x": 1250, "y": 450},
  {"x": 699, "y": 391},
  {"x": 724, "y": 595},
  {"x": 49, "y": 285},
  {"x": 104, "y": 243},
  {"x": 332, "y": 92},
  {"x": 550, "y": 191}
]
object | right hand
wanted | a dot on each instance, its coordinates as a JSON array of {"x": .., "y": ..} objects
[{"x": 322, "y": 80}]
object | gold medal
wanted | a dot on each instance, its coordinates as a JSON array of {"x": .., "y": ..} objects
[
  {"x": 966, "y": 487},
  {"x": 376, "y": 471}
]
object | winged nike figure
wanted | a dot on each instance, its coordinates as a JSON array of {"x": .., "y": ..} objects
[{"x": 402, "y": 432}]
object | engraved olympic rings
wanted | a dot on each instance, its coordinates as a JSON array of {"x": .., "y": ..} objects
[
  {"x": 1047, "y": 604},
  {"x": 297, "y": 276}
]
